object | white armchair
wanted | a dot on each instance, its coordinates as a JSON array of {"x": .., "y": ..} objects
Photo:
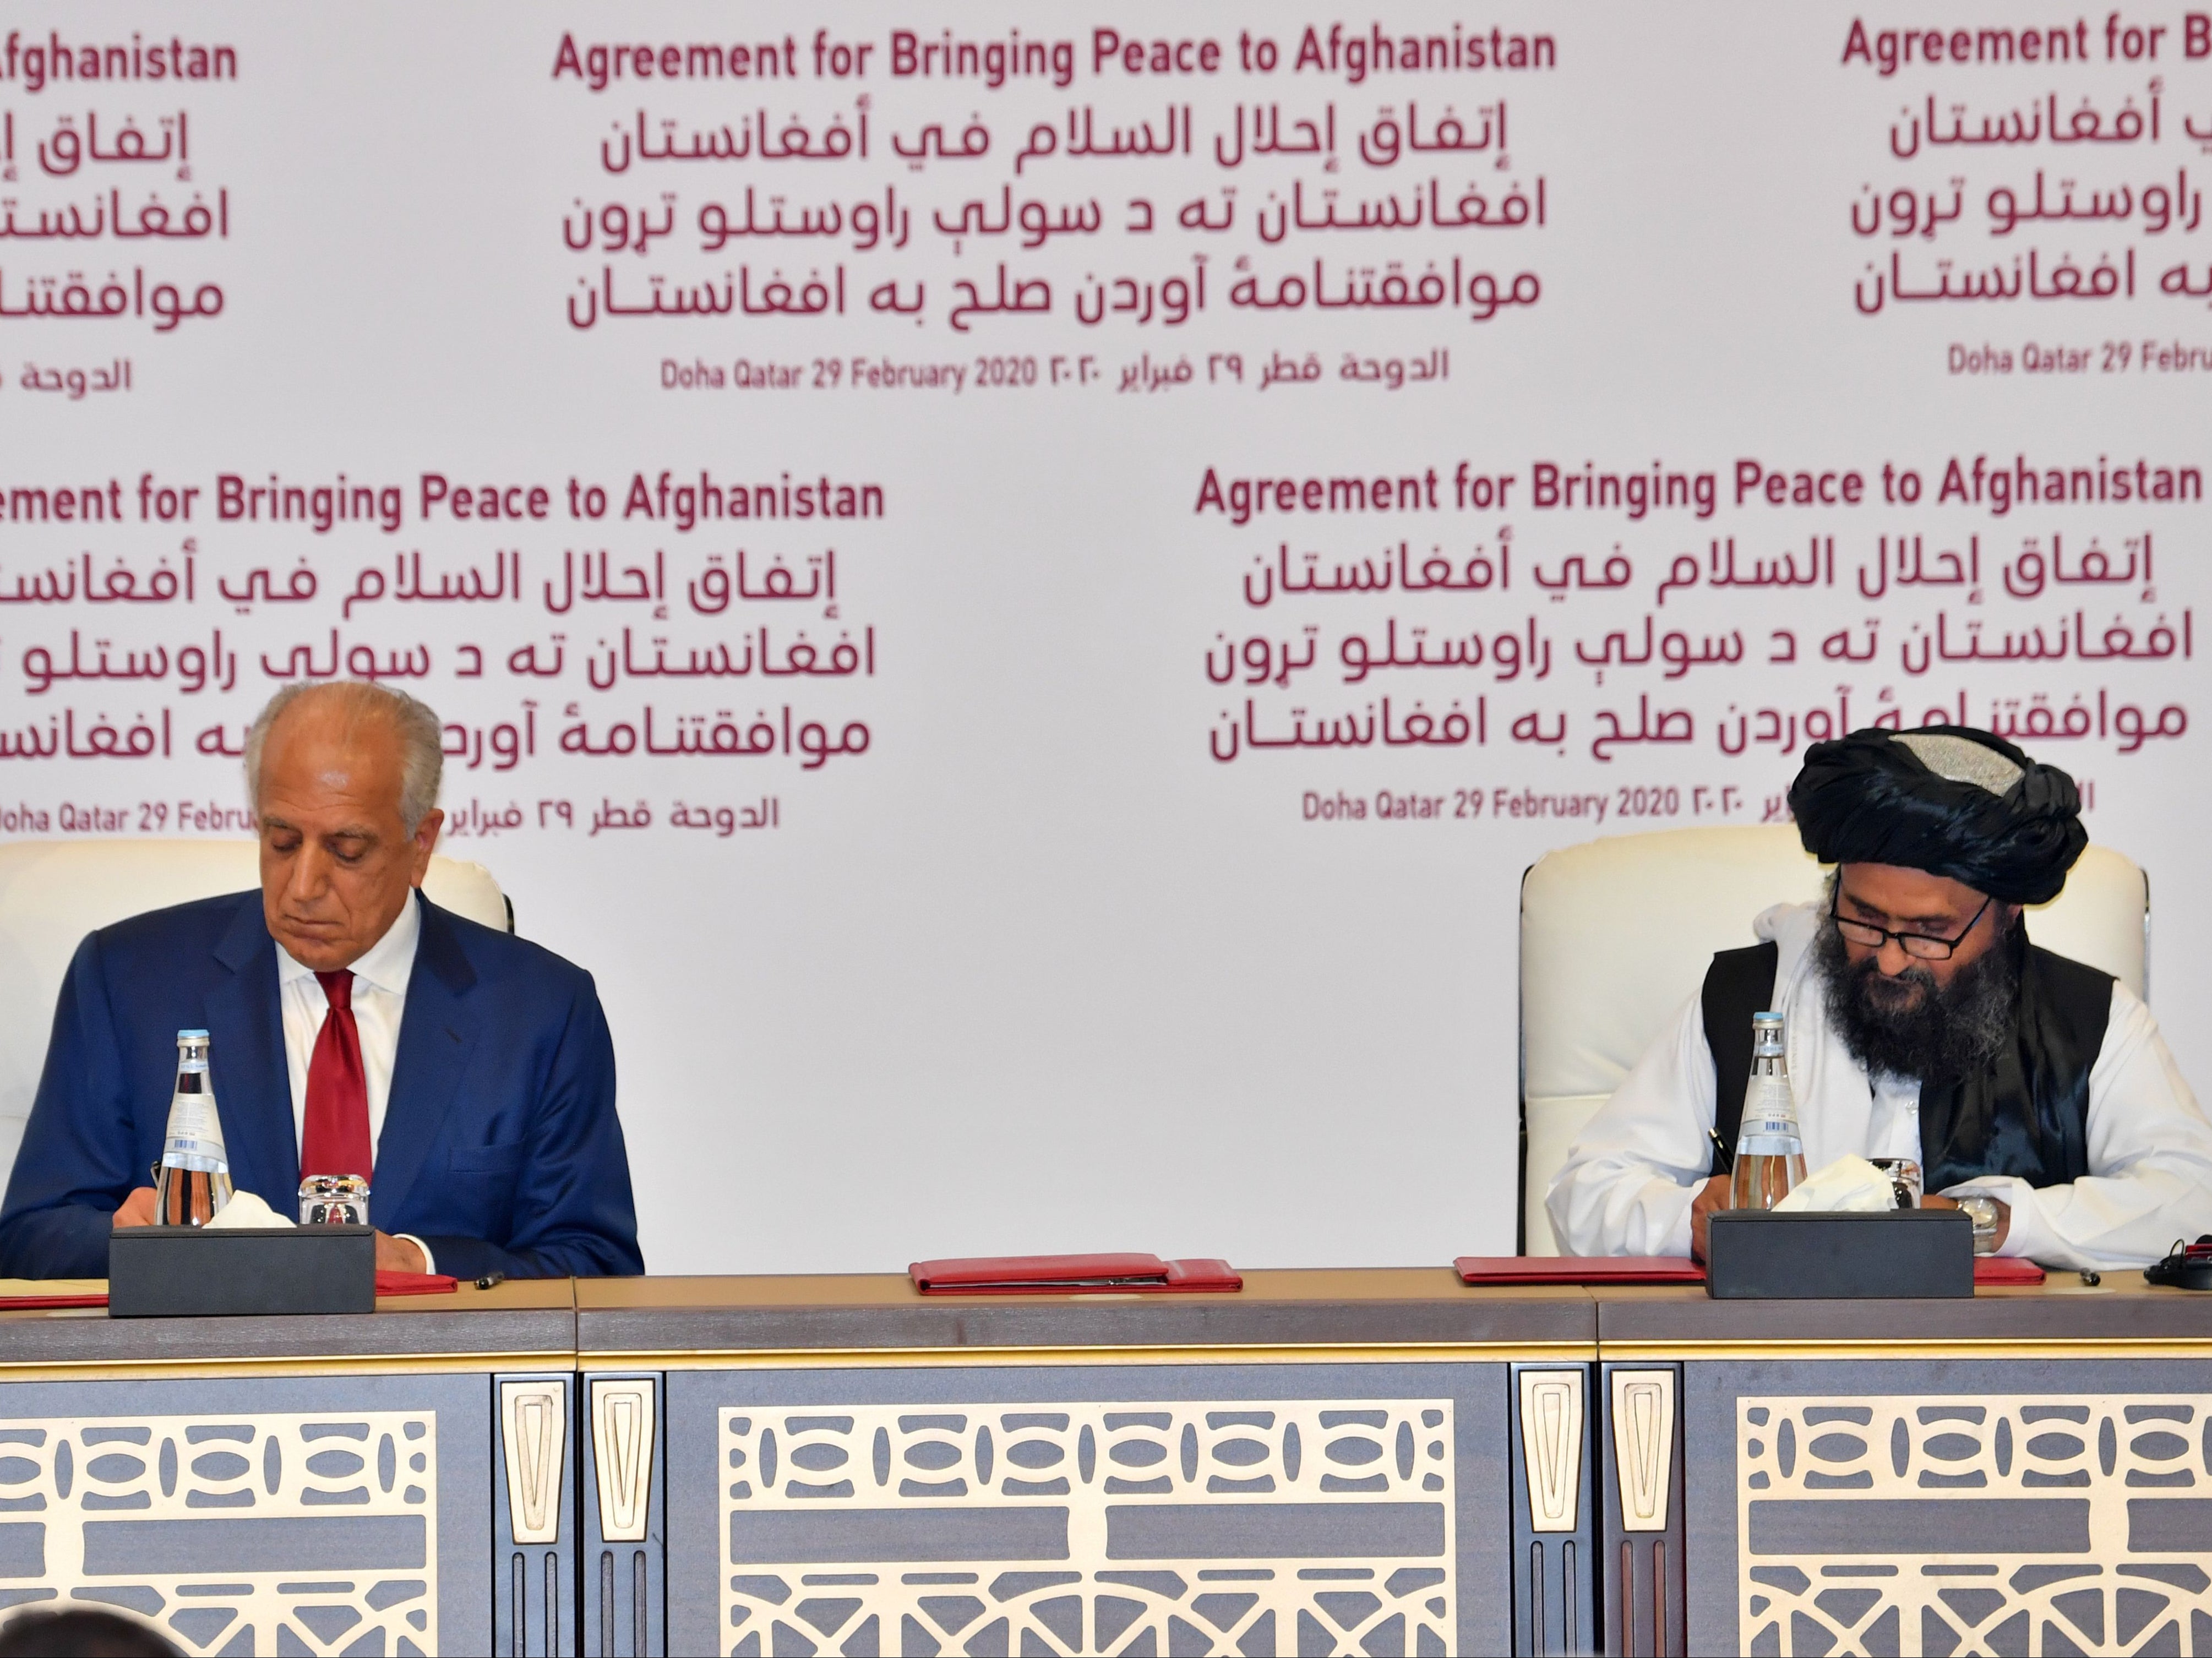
[
  {"x": 1616, "y": 934},
  {"x": 52, "y": 893}
]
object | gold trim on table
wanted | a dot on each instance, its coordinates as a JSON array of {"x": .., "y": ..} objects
[
  {"x": 310, "y": 1364},
  {"x": 787, "y": 1358},
  {"x": 1901, "y": 1348}
]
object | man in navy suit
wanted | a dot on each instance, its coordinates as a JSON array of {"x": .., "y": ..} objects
[{"x": 346, "y": 1012}]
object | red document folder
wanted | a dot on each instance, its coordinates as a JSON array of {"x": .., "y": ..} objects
[
  {"x": 1072, "y": 1275},
  {"x": 413, "y": 1284},
  {"x": 1995, "y": 1271},
  {"x": 1578, "y": 1269}
]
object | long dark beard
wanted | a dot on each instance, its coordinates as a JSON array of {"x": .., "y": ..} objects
[{"x": 1909, "y": 1027}]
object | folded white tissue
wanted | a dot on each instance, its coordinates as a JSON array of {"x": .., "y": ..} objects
[
  {"x": 247, "y": 1209},
  {"x": 1849, "y": 1185}
]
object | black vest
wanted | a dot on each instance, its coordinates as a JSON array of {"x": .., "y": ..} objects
[{"x": 2025, "y": 1112}]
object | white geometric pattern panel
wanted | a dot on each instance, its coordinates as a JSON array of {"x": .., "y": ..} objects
[
  {"x": 259, "y": 1532},
  {"x": 1552, "y": 1446},
  {"x": 1643, "y": 1445},
  {"x": 534, "y": 1429},
  {"x": 1305, "y": 1526},
  {"x": 621, "y": 1450},
  {"x": 1948, "y": 1523}
]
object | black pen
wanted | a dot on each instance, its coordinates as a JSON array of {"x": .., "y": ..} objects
[
  {"x": 1724, "y": 1159},
  {"x": 489, "y": 1279}
]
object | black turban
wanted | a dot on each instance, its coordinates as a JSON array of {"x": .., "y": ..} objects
[{"x": 1969, "y": 805}]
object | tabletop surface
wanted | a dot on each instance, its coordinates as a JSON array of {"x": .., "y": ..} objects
[
  {"x": 2122, "y": 1308},
  {"x": 510, "y": 1321},
  {"x": 1368, "y": 1307},
  {"x": 523, "y": 1322},
  {"x": 1381, "y": 1306}
]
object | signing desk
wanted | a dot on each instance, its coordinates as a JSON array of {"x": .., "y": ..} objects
[
  {"x": 2029, "y": 1471},
  {"x": 1389, "y": 1462},
  {"x": 288, "y": 1485},
  {"x": 1373, "y": 1462},
  {"x": 1319, "y": 1464}
]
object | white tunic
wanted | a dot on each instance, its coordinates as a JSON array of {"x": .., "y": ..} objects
[{"x": 1630, "y": 1179}]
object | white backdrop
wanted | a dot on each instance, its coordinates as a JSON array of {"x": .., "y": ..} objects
[{"x": 1140, "y": 876}]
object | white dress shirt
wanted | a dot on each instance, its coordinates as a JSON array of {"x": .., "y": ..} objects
[
  {"x": 1633, "y": 1173},
  {"x": 380, "y": 1000}
]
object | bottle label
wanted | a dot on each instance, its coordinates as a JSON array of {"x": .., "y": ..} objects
[
  {"x": 194, "y": 1140},
  {"x": 1769, "y": 1128},
  {"x": 1771, "y": 1101}
]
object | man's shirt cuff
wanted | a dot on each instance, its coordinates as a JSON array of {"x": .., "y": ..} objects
[{"x": 2028, "y": 1234}]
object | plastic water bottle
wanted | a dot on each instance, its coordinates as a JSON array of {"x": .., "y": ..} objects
[
  {"x": 1769, "y": 1154},
  {"x": 193, "y": 1180}
]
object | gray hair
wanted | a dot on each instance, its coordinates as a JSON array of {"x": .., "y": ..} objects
[{"x": 421, "y": 739}]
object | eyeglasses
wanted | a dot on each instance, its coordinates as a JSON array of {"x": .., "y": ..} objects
[{"x": 1917, "y": 945}]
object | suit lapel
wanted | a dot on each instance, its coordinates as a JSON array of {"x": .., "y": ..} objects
[
  {"x": 253, "y": 1087},
  {"x": 437, "y": 1034}
]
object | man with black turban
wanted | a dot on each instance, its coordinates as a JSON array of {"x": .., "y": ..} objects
[{"x": 2034, "y": 1092}]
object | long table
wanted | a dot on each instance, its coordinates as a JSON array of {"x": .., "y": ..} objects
[
  {"x": 2027, "y": 1471},
  {"x": 296, "y": 1484},
  {"x": 1371, "y": 1461}
]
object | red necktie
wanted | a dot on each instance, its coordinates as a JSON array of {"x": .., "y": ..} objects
[{"x": 334, "y": 1139}]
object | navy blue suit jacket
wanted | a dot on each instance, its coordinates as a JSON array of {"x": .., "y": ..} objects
[{"x": 500, "y": 1148}]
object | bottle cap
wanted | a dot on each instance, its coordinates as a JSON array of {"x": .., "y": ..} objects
[{"x": 192, "y": 1035}]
